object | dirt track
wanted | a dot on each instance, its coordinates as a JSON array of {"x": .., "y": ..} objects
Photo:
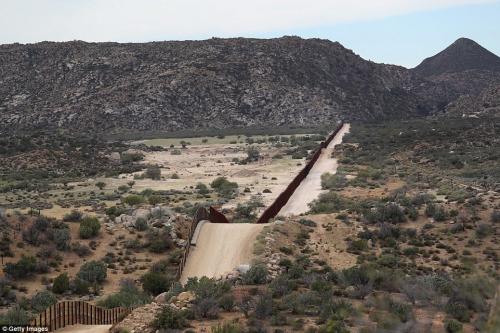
[
  {"x": 85, "y": 329},
  {"x": 220, "y": 248},
  {"x": 310, "y": 188}
]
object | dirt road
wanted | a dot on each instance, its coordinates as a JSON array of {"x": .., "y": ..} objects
[
  {"x": 85, "y": 329},
  {"x": 220, "y": 248},
  {"x": 310, "y": 188}
]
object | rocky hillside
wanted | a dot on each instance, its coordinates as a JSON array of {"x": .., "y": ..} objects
[
  {"x": 464, "y": 68},
  {"x": 217, "y": 83},
  {"x": 464, "y": 54}
]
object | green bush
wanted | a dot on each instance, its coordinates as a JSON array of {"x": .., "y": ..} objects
[
  {"x": 453, "y": 326},
  {"x": 207, "y": 288},
  {"x": 227, "y": 328},
  {"x": 128, "y": 296},
  {"x": 24, "y": 268},
  {"x": 257, "y": 274},
  {"x": 61, "y": 284},
  {"x": 329, "y": 202},
  {"x": 73, "y": 216},
  {"x": 89, "y": 227},
  {"x": 170, "y": 318},
  {"x": 141, "y": 224},
  {"x": 224, "y": 187},
  {"x": 226, "y": 302},
  {"x": 133, "y": 199},
  {"x": 155, "y": 283},
  {"x": 80, "y": 287},
  {"x": 94, "y": 272},
  {"x": 333, "y": 182},
  {"x": 42, "y": 300},
  {"x": 15, "y": 316},
  {"x": 153, "y": 172}
]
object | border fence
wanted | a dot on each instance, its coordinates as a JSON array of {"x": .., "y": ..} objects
[
  {"x": 67, "y": 313},
  {"x": 284, "y": 196}
]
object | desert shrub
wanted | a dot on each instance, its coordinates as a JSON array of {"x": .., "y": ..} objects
[
  {"x": 264, "y": 306},
  {"x": 390, "y": 213},
  {"x": 246, "y": 212},
  {"x": 495, "y": 216},
  {"x": 226, "y": 302},
  {"x": 334, "y": 310},
  {"x": 281, "y": 286},
  {"x": 458, "y": 310},
  {"x": 89, "y": 227},
  {"x": 73, "y": 216},
  {"x": 202, "y": 188},
  {"x": 333, "y": 181},
  {"x": 141, "y": 224},
  {"x": 170, "y": 318},
  {"x": 42, "y": 300},
  {"x": 7, "y": 295},
  {"x": 155, "y": 283},
  {"x": 308, "y": 223},
  {"x": 207, "y": 288},
  {"x": 159, "y": 241},
  {"x": 206, "y": 308},
  {"x": 329, "y": 202},
  {"x": 453, "y": 326},
  {"x": 94, "y": 272},
  {"x": 257, "y": 274},
  {"x": 436, "y": 212},
  {"x": 61, "y": 284},
  {"x": 115, "y": 211},
  {"x": 80, "y": 249},
  {"x": 80, "y": 287},
  {"x": 61, "y": 238},
  {"x": 15, "y": 316},
  {"x": 133, "y": 199},
  {"x": 128, "y": 296},
  {"x": 224, "y": 187},
  {"x": 25, "y": 267},
  {"x": 227, "y": 328},
  {"x": 153, "y": 172},
  {"x": 253, "y": 154},
  {"x": 483, "y": 230}
]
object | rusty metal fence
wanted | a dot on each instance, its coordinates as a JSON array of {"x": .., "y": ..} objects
[
  {"x": 284, "y": 196},
  {"x": 67, "y": 313}
]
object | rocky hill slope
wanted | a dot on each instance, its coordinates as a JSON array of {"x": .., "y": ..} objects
[
  {"x": 217, "y": 83},
  {"x": 463, "y": 55}
]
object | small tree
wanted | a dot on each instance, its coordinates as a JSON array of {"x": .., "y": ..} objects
[
  {"x": 94, "y": 272},
  {"x": 155, "y": 283},
  {"x": 100, "y": 185},
  {"x": 43, "y": 300},
  {"x": 133, "y": 199},
  {"x": 153, "y": 172},
  {"x": 89, "y": 227},
  {"x": 61, "y": 284},
  {"x": 25, "y": 267}
]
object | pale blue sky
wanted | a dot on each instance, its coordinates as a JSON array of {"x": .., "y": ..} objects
[{"x": 401, "y": 32}]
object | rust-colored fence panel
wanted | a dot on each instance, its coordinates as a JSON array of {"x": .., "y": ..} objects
[
  {"x": 66, "y": 313},
  {"x": 284, "y": 196}
]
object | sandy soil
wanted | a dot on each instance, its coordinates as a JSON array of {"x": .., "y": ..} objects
[
  {"x": 221, "y": 248},
  {"x": 85, "y": 329},
  {"x": 310, "y": 188}
]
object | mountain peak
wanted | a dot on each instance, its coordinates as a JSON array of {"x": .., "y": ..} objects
[{"x": 464, "y": 54}]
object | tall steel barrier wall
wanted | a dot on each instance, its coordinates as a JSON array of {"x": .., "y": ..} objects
[
  {"x": 283, "y": 198},
  {"x": 212, "y": 215}
]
